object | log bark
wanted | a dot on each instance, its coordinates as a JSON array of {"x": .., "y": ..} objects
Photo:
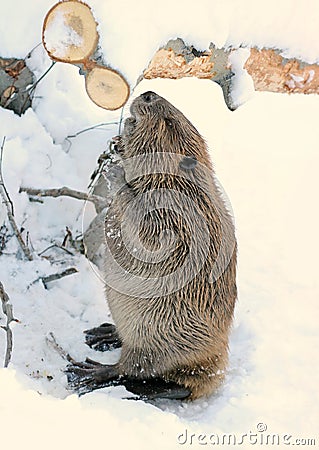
[{"x": 15, "y": 78}]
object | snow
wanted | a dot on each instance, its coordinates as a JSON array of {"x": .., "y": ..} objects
[
  {"x": 58, "y": 36},
  {"x": 242, "y": 83},
  {"x": 266, "y": 157}
]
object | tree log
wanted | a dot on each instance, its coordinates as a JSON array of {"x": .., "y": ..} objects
[
  {"x": 269, "y": 70},
  {"x": 70, "y": 35},
  {"x": 272, "y": 72},
  {"x": 69, "y": 32}
]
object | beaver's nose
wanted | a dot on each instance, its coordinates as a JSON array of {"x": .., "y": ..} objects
[{"x": 149, "y": 96}]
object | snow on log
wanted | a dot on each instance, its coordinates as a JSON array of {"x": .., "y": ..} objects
[
  {"x": 70, "y": 35},
  {"x": 69, "y": 32},
  {"x": 269, "y": 70}
]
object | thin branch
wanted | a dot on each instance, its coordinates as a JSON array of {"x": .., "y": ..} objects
[
  {"x": 4, "y": 237},
  {"x": 56, "y": 245},
  {"x": 34, "y": 85},
  {"x": 32, "y": 50},
  {"x": 121, "y": 121},
  {"x": 55, "y": 276},
  {"x": 51, "y": 340},
  {"x": 94, "y": 127},
  {"x": 30, "y": 89},
  {"x": 10, "y": 204},
  {"x": 59, "y": 275},
  {"x": 91, "y": 128},
  {"x": 99, "y": 202},
  {"x": 68, "y": 237},
  {"x": 10, "y": 210},
  {"x": 8, "y": 312}
]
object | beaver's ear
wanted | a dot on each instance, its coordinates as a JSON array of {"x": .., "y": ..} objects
[{"x": 188, "y": 163}]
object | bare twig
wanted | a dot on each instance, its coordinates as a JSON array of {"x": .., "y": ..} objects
[
  {"x": 35, "y": 200},
  {"x": 51, "y": 340},
  {"x": 56, "y": 245},
  {"x": 32, "y": 88},
  {"x": 99, "y": 202},
  {"x": 7, "y": 310},
  {"x": 10, "y": 211},
  {"x": 32, "y": 50},
  {"x": 6, "y": 197},
  {"x": 93, "y": 127},
  {"x": 121, "y": 121},
  {"x": 68, "y": 237},
  {"x": 55, "y": 276},
  {"x": 59, "y": 275},
  {"x": 4, "y": 237}
]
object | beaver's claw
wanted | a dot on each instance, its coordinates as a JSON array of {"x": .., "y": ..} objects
[
  {"x": 84, "y": 377},
  {"x": 103, "y": 338}
]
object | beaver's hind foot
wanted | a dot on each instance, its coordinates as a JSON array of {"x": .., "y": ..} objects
[
  {"x": 85, "y": 377},
  {"x": 103, "y": 338}
]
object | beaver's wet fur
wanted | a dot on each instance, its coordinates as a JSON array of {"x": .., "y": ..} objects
[{"x": 170, "y": 262}]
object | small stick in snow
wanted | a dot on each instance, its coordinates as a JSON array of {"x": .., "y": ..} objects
[
  {"x": 99, "y": 202},
  {"x": 10, "y": 210},
  {"x": 51, "y": 340},
  {"x": 7, "y": 310},
  {"x": 55, "y": 245},
  {"x": 55, "y": 276},
  {"x": 4, "y": 237},
  {"x": 68, "y": 237},
  {"x": 32, "y": 88},
  {"x": 94, "y": 127}
]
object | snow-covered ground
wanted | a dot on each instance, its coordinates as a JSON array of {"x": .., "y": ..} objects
[{"x": 266, "y": 156}]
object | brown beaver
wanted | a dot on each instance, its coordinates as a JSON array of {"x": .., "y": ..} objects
[{"x": 170, "y": 266}]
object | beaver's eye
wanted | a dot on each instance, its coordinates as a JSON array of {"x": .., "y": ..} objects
[{"x": 168, "y": 122}]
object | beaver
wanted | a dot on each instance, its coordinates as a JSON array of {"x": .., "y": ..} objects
[{"x": 170, "y": 264}]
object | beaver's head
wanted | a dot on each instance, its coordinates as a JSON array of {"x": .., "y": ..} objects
[{"x": 156, "y": 126}]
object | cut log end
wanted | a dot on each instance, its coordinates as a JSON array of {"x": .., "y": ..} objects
[
  {"x": 107, "y": 88},
  {"x": 69, "y": 32}
]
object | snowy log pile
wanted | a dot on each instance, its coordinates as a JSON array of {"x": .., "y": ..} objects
[
  {"x": 269, "y": 70},
  {"x": 70, "y": 35}
]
